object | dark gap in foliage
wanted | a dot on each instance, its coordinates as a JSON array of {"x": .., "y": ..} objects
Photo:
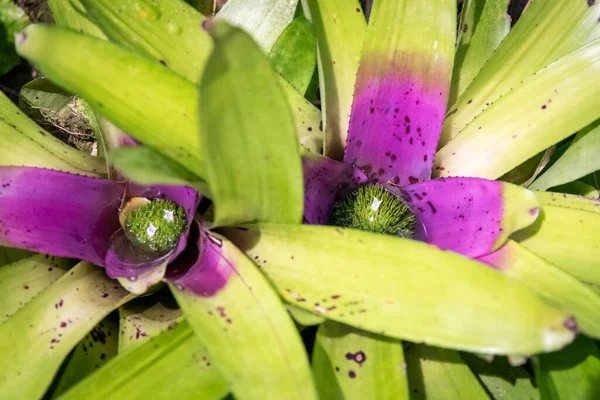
[{"x": 515, "y": 9}]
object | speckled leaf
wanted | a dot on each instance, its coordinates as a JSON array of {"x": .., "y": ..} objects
[
  {"x": 501, "y": 380},
  {"x": 572, "y": 373},
  {"x": 264, "y": 20},
  {"x": 322, "y": 269},
  {"x": 440, "y": 374},
  {"x": 173, "y": 365},
  {"x": 151, "y": 103},
  {"x": 144, "y": 319},
  {"x": 246, "y": 122},
  {"x": 566, "y": 235},
  {"x": 557, "y": 101},
  {"x": 580, "y": 159},
  {"x": 294, "y": 55},
  {"x": 528, "y": 48},
  {"x": 483, "y": 25},
  {"x": 70, "y": 14},
  {"x": 243, "y": 323},
  {"x": 93, "y": 352},
  {"x": 352, "y": 364},
  {"x": 38, "y": 337},
  {"x": 340, "y": 27},
  {"x": 146, "y": 166},
  {"x": 23, "y": 280},
  {"x": 557, "y": 286},
  {"x": 12, "y": 19},
  {"x": 166, "y": 30},
  {"x": 24, "y": 143},
  {"x": 578, "y": 188}
]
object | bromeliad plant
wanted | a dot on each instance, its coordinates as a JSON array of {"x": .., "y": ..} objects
[{"x": 246, "y": 161}]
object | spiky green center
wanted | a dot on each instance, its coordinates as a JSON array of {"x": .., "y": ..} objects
[
  {"x": 156, "y": 227},
  {"x": 373, "y": 208}
]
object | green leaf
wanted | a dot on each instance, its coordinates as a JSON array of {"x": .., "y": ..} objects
[
  {"x": 12, "y": 20},
  {"x": 572, "y": 373},
  {"x": 62, "y": 113},
  {"x": 173, "y": 365},
  {"x": 144, "y": 319},
  {"x": 351, "y": 364},
  {"x": 70, "y": 14},
  {"x": 24, "y": 143},
  {"x": 253, "y": 167},
  {"x": 483, "y": 26},
  {"x": 566, "y": 235},
  {"x": 93, "y": 351},
  {"x": 341, "y": 28},
  {"x": 165, "y": 30},
  {"x": 248, "y": 333},
  {"x": 556, "y": 286},
  {"x": 37, "y": 338},
  {"x": 143, "y": 98},
  {"x": 264, "y": 20},
  {"x": 578, "y": 188},
  {"x": 527, "y": 49},
  {"x": 502, "y": 381},
  {"x": 22, "y": 280},
  {"x": 558, "y": 100},
  {"x": 294, "y": 55},
  {"x": 147, "y": 166},
  {"x": 579, "y": 160},
  {"x": 376, "y": 283},
  {"x": 435, "y": 373}
]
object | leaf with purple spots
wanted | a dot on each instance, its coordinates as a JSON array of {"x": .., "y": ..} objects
[
  {"x": 352, "y": 364},
  {"x": 172, "y": 365},
  {"x": 26, "y": 278},
  {"x": 245, "y": 324},
  {"x": 56, "y": 320},
  {"x": 376, "y": 283}
]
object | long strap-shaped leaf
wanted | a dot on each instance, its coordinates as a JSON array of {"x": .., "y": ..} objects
[
  {"x": 483, "y": 25},
  {"x": 341, "y": 27},
  {"x": 23, "y": 280},
  {"x": 24, "y": 143},
  {"x": 253, "y": 167},
  {"x": 170, "y": 32},
  {"x": 351, "y": 364},
  {"x": 557, "y": 101},
  {"x": 377, "y": 283},
  {"x": 174, "y": 365},
  {"x": 148, "y": 101},
  {"x": 69, "y": 14},
  {"x": 96, "y": 349},
  {"x": 566, "y": 235},
  {"x": 527, "y": 49},
  {"x": 245, "y": 327},
  {"x": 163, "y": 29},
  {"x": 37, "y": 338},
  {"x": 139, "y": 323},
  {"x": 572, "y": 373},
  {"x": 580, "y": 159},
  {"x": 557, "y": 286},
  {"x": 440, "y": 374}
]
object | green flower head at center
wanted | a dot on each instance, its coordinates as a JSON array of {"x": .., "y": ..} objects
[
  {"x": 156, "y": 226},
  {"x": 375, "y": 209}
]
